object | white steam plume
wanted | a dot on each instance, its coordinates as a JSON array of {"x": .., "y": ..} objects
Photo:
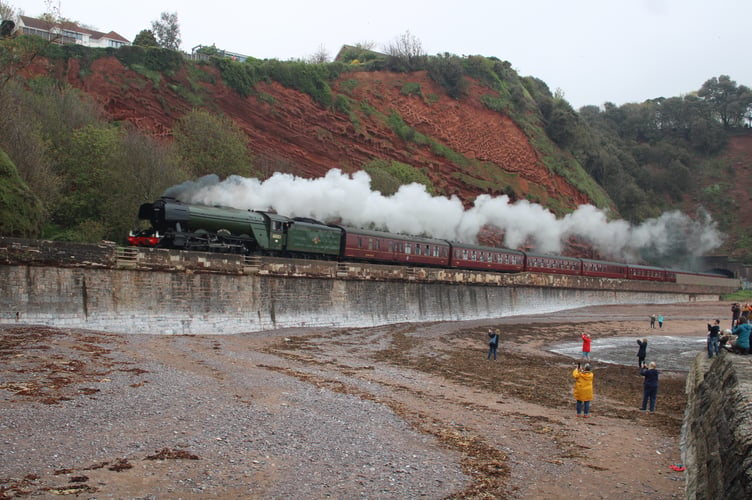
[{"x": 411, "y": 210}]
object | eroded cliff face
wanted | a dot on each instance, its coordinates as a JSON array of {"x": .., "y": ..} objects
[{"x": 286, "y": 127}]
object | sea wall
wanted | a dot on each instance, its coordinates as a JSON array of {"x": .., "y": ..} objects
[
  {"x": 108, "y": 288},
  {"x": 717, "y": 429}
]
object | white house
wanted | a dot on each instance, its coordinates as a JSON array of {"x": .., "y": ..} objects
[{"x": 67, "y": 32}]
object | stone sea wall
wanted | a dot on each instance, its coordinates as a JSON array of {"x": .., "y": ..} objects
[
  {"x": 108, "y": 288},
  {"x": 717, "y": 429}
]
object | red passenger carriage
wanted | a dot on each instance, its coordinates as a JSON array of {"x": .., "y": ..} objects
[
  {"x": 603, "y": 269},
  {"x": 466, "y": 256},
  {"x": 649, "y": 273},
  {"x": 377, "y": 246},
  {"x": 554, "y": 264}
]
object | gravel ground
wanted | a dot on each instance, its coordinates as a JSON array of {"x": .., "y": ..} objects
[{"x": 399, "y": 411}]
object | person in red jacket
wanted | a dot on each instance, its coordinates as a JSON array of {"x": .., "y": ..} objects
[
  {"x": 586, "y": 346},
  {"x": 583, "y": 389}
]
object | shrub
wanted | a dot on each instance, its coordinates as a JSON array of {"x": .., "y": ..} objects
[
  {"x": 342, "y": 103},
  {"x": 447, "y": 71},
  {"x": 240, "y": 77},
  {"x": 411, "y": 88},
  {"x": 387, "y": 177}
]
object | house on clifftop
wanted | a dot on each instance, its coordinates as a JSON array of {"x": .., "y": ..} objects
[{"x": 68, "y": 33}]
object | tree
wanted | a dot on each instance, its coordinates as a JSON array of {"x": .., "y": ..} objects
[
  {"x": 146, "y": 38},
  {"x": 21, "y": 212},
  {"x": 167, "y": 30},
  {"x": 321, "y": 56},
  {"x": 6, "y": 12},
  {"x": 142, "y": 168},
  {"x": 562, "y": 123},
  {"x": 22, "y": 140},
  {"x": 729, "y": 103},
  {"x": 406, "y": 53},
  {"x": 211, "y": 144}
]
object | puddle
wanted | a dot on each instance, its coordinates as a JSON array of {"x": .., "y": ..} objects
[{"x": 668, "y": 352}]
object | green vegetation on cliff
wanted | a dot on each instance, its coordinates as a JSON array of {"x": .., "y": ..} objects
[
  {"x": 21, "y": 212},
  {"x": 638, "y": 160}
]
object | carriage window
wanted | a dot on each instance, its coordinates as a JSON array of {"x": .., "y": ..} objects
[
  {"x": 391, "y": 246},
  {"x": 370, "y": 243},
  {"x": 378, "y": 244},
  {"x": 464, "y": 253},
  {"x": 408, "y": 248}
]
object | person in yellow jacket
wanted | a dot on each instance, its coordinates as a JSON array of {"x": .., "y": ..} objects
[{"x": 583, "y": 389}]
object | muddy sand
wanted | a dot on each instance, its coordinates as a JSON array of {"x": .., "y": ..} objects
[{"x": 398, "y": 411}]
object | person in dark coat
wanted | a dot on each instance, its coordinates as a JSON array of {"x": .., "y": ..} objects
[
  {"x": 736, "y": 311},
  {"x": 642, "y": 351},
  {"x": 650, "y": 386}
]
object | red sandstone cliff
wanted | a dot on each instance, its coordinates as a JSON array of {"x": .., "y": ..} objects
[{"x": 288, "y": 127}]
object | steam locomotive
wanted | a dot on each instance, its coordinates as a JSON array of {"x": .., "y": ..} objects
[{"x": 220, "y": 229}]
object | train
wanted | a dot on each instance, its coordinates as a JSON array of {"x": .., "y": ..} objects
[{"x": 185, "y": 226}]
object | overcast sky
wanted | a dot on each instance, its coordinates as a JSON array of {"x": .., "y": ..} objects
[{"x": 594, "y": 51}]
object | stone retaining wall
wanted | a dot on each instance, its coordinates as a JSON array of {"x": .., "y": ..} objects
[
  {"x": 108, "y": 288},
  {"x": 717, "y": 429}
]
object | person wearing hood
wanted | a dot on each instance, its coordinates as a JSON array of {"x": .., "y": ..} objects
[
  {"x": 742, "y": 332},
  {"x": 583, "y": 389}
]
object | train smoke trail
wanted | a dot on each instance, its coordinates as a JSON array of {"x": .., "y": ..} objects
[{"x": 411, "y": 210}]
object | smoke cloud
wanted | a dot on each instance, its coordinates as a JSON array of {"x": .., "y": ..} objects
[{"x": 350, "y": 200}]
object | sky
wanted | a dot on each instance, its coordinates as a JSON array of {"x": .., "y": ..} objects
[{"x": 592, "y": 51}]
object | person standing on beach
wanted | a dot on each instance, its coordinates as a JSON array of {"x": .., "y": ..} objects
[
  {"x": 736, "y": 311},
  {"x": 583, "y": 389},
  {"x": 714, "y": 337},
  {"x": 586, "y": 346},
  {"x": 642, "y": 351},
  {"x": 652, "y": 321},
  {"x": 650, "y": 386},
  {"x": 660, "y": 321},
  {"x": 493, "y": 343}
]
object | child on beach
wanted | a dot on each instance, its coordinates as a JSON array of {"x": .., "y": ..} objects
[{"x": 586, "y": 346}]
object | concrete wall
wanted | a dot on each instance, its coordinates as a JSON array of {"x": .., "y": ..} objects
[
  {"x": 164, "y": 302},
  {"x": 159, "y": 291},
  {"x": 717, "y": 430}
]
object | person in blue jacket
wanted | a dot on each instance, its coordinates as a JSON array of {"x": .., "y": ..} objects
[
  {"x": 493, "y": 343},
  {"x": 742, "y": 331},
  {"x": 650, "y": 386}
]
